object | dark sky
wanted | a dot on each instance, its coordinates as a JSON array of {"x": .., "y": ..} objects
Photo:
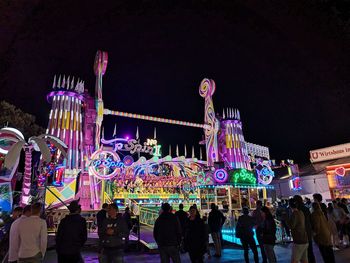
[{"x": 285, "y": 65}]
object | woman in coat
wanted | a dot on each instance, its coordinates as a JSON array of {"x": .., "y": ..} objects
[
  {"x": 196, "y": 237},
  {"x": 269, "y": 234},
  {"x": 322, "y": 234}
]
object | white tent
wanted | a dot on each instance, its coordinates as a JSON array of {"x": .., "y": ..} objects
[{"x": 310, "y": 184}]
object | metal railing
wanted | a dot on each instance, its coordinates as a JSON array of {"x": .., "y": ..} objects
[
  {"x": 148, "y": 216},
  {"x": 229, "y": 231}
]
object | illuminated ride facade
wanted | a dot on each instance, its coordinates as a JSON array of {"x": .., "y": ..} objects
[{"x": 127, "y": 170}]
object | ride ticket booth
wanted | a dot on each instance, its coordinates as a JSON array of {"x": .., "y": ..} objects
[{"x": 240, "y": 189}]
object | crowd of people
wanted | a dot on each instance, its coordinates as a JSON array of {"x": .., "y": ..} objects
[
  {"x": 26, "y": 235},
  {"x": 303, "y": 222},
  {"x": 187, "y": 233}
]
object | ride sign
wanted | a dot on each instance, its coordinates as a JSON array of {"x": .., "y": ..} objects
[{"x": 105, "y": 164}]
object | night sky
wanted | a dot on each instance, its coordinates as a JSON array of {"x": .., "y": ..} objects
[{"x": 284, "y": 65}]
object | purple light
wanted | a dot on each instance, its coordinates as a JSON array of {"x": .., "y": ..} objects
[
  {"x": 220, "y": 176},
  {"x": 64, "y": 93}
]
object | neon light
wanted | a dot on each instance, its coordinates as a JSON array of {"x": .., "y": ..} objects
[
  {"x": 156, "y": 150},
  {"x": 151, "y": 142},
  {"x": 150, "y": 118},
  {"x": 295, "y": 183},
  {"x": 243, "y": 176},
  {"x": 340, "y": 171},
  {"x": 105, "y": 164},
  {"x": 64, "y": 93},
  {"x": 109, "y": 163},
  {"x": 131, "y": 146},
  {"x": 221, "y": 176},
  {"x": 265, "y": 175}
]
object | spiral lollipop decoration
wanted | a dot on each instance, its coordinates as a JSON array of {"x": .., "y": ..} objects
[
  {"x": 206, "y": 90},
  {"x": 101, "y": 60},
  {"x": 100, "y": 66}
]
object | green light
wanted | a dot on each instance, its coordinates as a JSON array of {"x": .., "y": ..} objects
[
  {"x": 156, "y": 150},
  {"x": 243, "y": 176}
]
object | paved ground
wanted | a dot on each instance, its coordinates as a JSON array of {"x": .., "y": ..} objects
[{"x": 229, "y": 255}]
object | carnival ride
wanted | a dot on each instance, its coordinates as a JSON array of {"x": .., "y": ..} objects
[
  {"x": 95, "y": 172},
  {"x": 235, "y": 173}
]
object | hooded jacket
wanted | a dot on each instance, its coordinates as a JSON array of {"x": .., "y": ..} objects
[
  {"x": 71, "y": 234},
  {"x": 167, "y": 230},
  {"x": 196, "y": 236}
]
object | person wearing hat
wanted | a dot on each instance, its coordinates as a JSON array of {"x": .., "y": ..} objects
[{"x": 71, "y": 235}]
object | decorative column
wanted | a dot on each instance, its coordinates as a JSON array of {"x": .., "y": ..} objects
[{"x": 27, "y": 178}]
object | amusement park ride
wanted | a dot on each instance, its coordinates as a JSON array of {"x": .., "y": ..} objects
[
  {"x": 98, "y": 169},
  {"x": 81, "y": 164}
]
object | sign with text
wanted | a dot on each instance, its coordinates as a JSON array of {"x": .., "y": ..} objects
[{"x": 330, "y": 153}]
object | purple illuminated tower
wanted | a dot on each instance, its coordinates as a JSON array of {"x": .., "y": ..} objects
[
  {"x": 65, "y": 121},
  {"x": 232, "y": 146}
]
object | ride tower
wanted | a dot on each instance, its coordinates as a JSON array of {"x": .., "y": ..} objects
[
  {"x": 232, "y": 146},
  {"x": 66, "y": 122}
]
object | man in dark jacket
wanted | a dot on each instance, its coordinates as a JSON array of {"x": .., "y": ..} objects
[
  {"x": 182, "y": 216},
  {"x": 307, "y": 215},
  {"x": 71, "y": 235},
  {"x": 244, "y": 231},
  {"x": 167, "y": 234},
  {"x": 257, "y": 216},
  {"x": 216, "y": 220},
  {"x": 101, "y": 215},
  {"x": 112, "y": 234}
]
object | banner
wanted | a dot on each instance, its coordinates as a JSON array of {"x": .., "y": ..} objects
[{"x": 330, "y": 153}]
